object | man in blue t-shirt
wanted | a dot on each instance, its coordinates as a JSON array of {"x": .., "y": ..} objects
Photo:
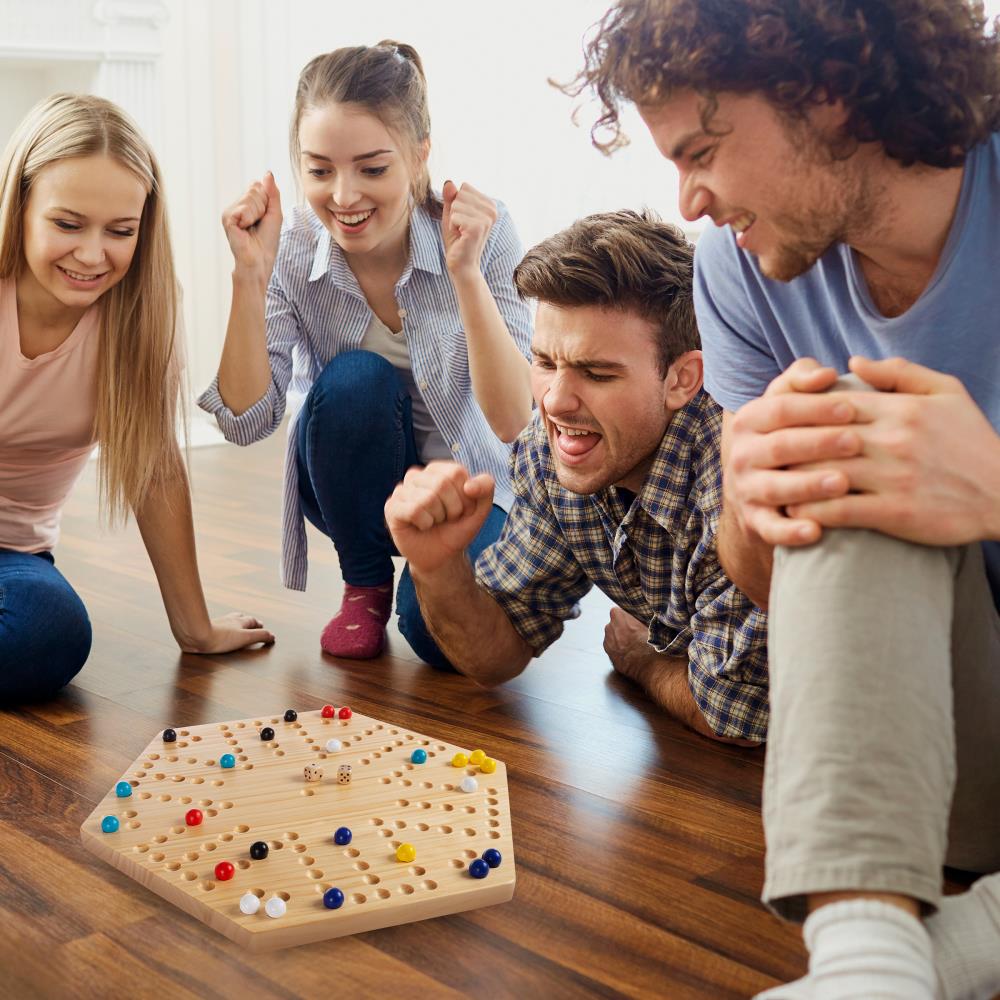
[{"x": 850, "y": 155}]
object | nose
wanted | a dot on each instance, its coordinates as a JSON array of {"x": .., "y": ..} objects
[
  {"x": 344, "y": 191},
  {"x": 694, "y": 198},
  {"x": 558, "y": 395},
  {"x": 90, "y": 251}
]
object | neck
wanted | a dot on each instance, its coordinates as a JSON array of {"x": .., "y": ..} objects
[
  {"x": 636, "y": 478},
  {"x": 388, "y": 259},
  {"x": 912, "y": 209},
  {"x": 39, "y": 309}
]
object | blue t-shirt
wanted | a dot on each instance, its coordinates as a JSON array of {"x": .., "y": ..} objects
[{"x": 752, "y": 328}]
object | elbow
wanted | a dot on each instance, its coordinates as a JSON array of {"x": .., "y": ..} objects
[{"x": 510, "y": 429}]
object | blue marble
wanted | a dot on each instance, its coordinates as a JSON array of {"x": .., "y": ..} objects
[
  {"x": 492, "y": 857},
  {"x": 227, "y": 760},
  {"x": 110, "y": 824},
  {"x": 479, "y": 868},
  {"x": 123, "y": 789},
  {"x": 333, "y": 899},
  {"x": 418, "y": 757},
  {"x": 342, "y": 836}
]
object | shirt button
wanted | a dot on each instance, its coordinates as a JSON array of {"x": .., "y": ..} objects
[
  {"x": 402, "y": 314},
  {"x": 423, "y": 384},
  {"x": 454, "y": 447}
]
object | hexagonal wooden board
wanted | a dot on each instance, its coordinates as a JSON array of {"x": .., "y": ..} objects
[{"x": 265, "y": 797}]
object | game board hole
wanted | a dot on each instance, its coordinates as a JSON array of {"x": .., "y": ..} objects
[
  {"x": 275, "y": 845},
  {"x": 145, "y": 795},
  {"x": 225, "y": 837},
  {"x": 402, "y": 803},
  {"x": 372, "y": 879},
  {"x": 406, "y": 890},
  {"x": 226, "y": 805},
  {"x": 448, "y": 787},
  {"x": 357, "y": 897},
  {"x": 199, "y": 781},
  {"x": 447, "y": 807},
  {"x": 129, "y": 813},
  {"x": 457, "y": 863},
  {"x": 470, "y": 854},
  {"x": 493, "y": 802},
  {"x": 299, "y": 848},
  {"x": 307, "y": 792},
  {"x": 259, "y": 893},
  {"x": 172, "y": 759},
  {"x": 244, "y": 864},
  {"x": 141, "y": 848},
  {"x": 416, "y": 870},
  {"x": 195, "y": 739},
  {"x": 468, "y": 809},
  {"x": 426, "y": 784},
  {"x": 242, "y": 725},
  {"x": 182, "y": 744},
  {"x": 362, "y": 866},
  {"x": 422, "y": 827},
  {"x": 158, "y": 856},
  {"x": 191, "y": 856},
  {"x": 242, "y": 828},
  {"x": 218, "y": 783},
  {"x": 173, "y": 866},
  {"x": 189, "y": 876},
  {"x": 375, "y": 821},
  {"x": 206, "y": 885},
  {"x": 493, "y": 812},
  {"x": 406, "y": 783},
  {"x": 469, "y": 832},
  {"x": 365, "y": 760},
  {"x": 351, "y": 852},
  {"x": 424, "y": 805},
  {"x": 397, "y": 774},
  {"x": 386, "y": 832},
  {"x": 410, "y": 736},
  {"x": 383, "y": 893},
  {"x": 291, "y": 836},
  {"x": 209, "y": 847},
  {"x": 307, "y": 861},
  {"x": 494, "y": 822},
  {"x": 133, "y": 824},
  {"x": 248, "y": 767},
  {"x": 277, "y": 753},
  {"x": 212, "y": 812},
  {"x": 185, "y": 800},
  {"x": 177, "y": 777},
  {"x": 284, "y": 895},
  {"x": 494, "y": 835},
  {"x": 429, "y": 884},
  {"x": 385, "y": 781},
  {"x": 159, "y": 777},
  {"x": 314, "y": 873},
  {"x": 400, "y": 824},
  {"x": 159, "y": 839},
  {"x": 176, "y": 829}
]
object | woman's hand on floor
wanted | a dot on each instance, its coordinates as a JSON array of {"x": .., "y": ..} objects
[{"x": 230, "y": 632}]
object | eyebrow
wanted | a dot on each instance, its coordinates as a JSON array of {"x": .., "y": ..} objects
[
  {"x": 615, "y": 366},
  {"x": 355, "y": 159},
  {"x": 80, "y": 215}
]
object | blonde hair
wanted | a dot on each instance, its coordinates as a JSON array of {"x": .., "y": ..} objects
[
  {"x": 388, "y": 81},
  {"x": 139, "y": 371}
]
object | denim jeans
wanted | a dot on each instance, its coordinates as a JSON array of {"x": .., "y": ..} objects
[
  {"x": 45, "y": 633},
  {"x": 355, "y": 442}
]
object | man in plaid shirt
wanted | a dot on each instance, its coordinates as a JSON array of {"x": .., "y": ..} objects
[{"x": 617, "y": 482}]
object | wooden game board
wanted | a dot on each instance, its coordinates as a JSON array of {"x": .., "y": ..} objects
[{"x": 266, "y": 797}]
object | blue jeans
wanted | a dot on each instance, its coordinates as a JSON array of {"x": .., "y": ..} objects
[
  {"x": 355, "y": 442},
  {"x": 44, "y": 629}
]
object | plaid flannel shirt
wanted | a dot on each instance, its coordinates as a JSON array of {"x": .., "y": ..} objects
[{"x": 656, "y": 559}]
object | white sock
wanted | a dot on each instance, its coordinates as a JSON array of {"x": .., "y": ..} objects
[
  {"x": 965, "y": 934},
  {"x": 867, "y": 948}
]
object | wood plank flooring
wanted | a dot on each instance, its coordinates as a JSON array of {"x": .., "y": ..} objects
[{"x": 639, "y": 845}]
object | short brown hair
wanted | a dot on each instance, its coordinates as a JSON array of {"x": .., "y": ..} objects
[
  {"x": 388, "y": 81},
  {"x": 919, "y": 76},
  {"x": 620, "y": 260}
]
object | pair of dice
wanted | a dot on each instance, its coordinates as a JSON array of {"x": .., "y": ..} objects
[{"x": 314, "y": 772}]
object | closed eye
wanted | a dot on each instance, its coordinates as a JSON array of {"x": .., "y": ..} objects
[
  {"x": 594, "y": 377},
  {"x": 374, "y": 171}
]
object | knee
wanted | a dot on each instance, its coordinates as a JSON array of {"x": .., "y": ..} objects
[
  {"x": 43, "y": 652},
  {"x": 354, "y": 378}
]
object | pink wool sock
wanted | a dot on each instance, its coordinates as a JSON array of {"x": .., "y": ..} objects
[{"x": 357, "y": 631}]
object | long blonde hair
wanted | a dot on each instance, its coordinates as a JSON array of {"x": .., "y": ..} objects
[{"x": 139, "y": 371}]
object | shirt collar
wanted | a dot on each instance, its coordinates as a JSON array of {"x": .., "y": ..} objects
[
  {"x": 425, "y": 253},
  {"x": 685, "y": 448}
]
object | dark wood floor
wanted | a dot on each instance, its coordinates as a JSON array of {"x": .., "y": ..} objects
[{"x": 639, "y": 845}]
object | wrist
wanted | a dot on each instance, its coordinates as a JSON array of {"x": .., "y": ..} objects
[
  {"x": 192, "y": 637},
  {"x": 251, "y": 278},
  {"x": 467, "y": 278}
]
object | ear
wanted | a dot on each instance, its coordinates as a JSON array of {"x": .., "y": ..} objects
[
  {"x": 424, "y": 150},
  {"x": 684, "y": 379}
]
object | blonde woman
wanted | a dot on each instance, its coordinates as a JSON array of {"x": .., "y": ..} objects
[
  {"x": 88, "y": 355},
  {"x": 386, "y": 317}
]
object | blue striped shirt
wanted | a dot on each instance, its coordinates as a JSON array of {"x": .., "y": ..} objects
[{"x": 316, "y": 310}]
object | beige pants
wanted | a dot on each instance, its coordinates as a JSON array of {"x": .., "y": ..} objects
[{"x": 883, "y": 754}]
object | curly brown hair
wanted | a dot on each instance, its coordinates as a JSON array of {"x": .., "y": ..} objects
[
  {"x": 922, "y": 77},
  {"x": 630, "y": 261}
]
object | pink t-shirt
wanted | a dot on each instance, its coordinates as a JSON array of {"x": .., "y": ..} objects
[{"x": 47, "y": 409}]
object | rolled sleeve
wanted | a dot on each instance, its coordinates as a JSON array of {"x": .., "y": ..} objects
[
  {"x": 727, "y": 663},
  {"x": 502, "y": 254},
  {"x": 530, "y": 571},
  {"x": 264, "y": 417}
]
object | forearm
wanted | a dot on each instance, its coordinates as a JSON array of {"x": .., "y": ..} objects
[
  {"x": 746, "y": 559},
  {"x": 470, "y": 628},
  {"x": 500, "y": 373},
  {"x": 245, "y": 371},
  {"x": 166, "y": 525}
]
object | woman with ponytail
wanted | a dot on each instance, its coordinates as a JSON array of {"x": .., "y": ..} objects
[{"x": 385, "y": 316}]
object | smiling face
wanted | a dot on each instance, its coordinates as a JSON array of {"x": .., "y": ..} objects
[
  {"x": 81, "y": 226},
  {"x": 772, "y": 181},
  {"x": 356, "y": 176},
  {"x": 595, "y": 375}
]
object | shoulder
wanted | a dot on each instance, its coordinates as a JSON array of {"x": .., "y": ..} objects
[{"x": 503, "y": 234}]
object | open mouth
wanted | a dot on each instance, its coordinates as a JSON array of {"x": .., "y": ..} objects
[
  {"x": 78, "y": 277},
  {"x": 575, "y": 443},
  {"x": 353, "y": 222},
  {"x": 742, "y": 226}
]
